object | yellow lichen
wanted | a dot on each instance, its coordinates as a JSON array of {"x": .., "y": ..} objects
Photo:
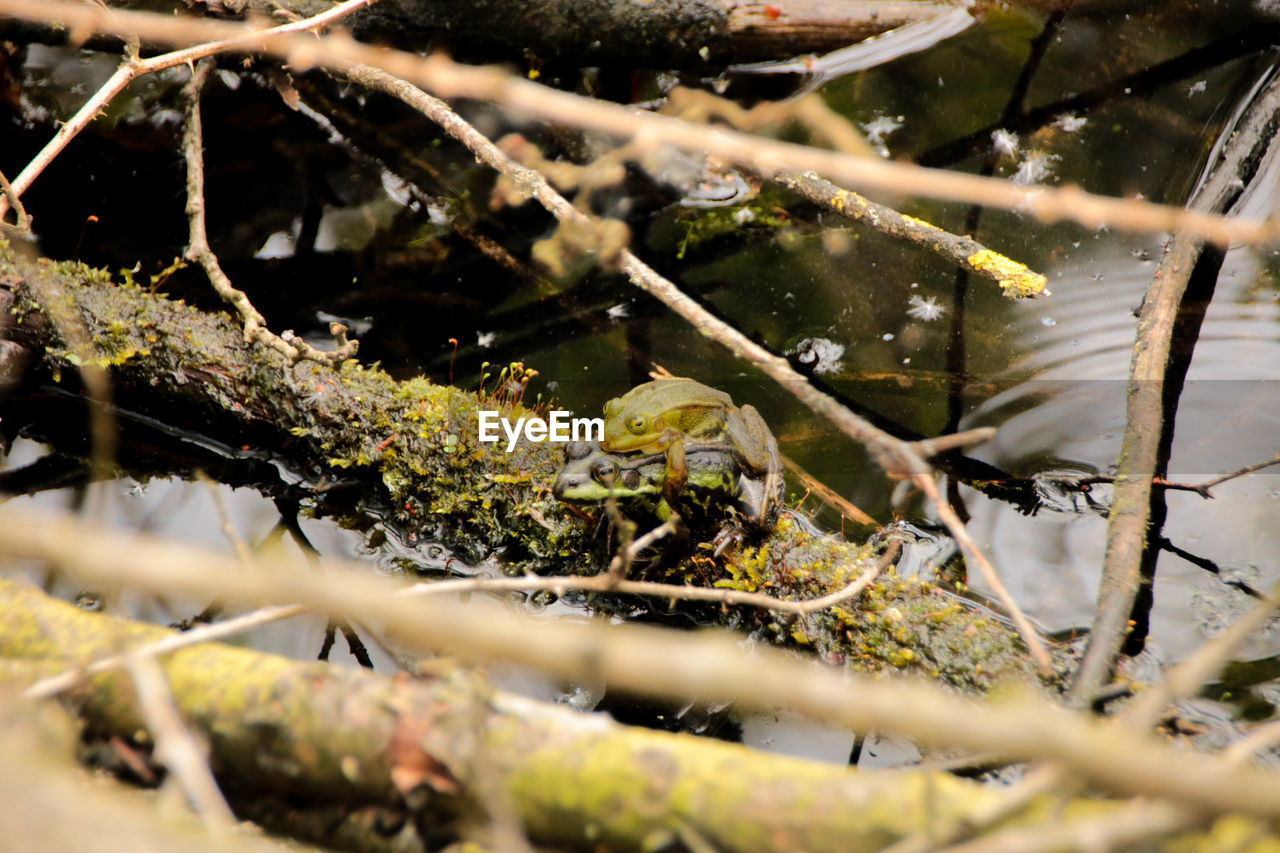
[
  {"x": 1017, "y": 281},
  {"x": 920, "y": 223}
]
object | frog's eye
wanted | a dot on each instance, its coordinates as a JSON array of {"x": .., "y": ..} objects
[
  {"x": 605, "y": 472},
  {"x": 638, "y": 424},
  {"x": 612, "y": 408}
]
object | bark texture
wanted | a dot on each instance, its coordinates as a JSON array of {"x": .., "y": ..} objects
[{"x": 360, "y": 761}]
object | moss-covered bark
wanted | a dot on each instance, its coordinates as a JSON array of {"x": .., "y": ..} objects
[
  {"x": 324, "y": 734},
  {"x": 416, "y": 445},
  {"x": 389, "y": 753}
]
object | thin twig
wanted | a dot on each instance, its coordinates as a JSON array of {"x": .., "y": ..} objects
[
  {"x": 11, "y": 197},
  {"x": 927, "y": 447},
  {"x": 766, "y": 156},
  {"x": 973, "y": 556},
  {"x": 176, "y": 746},
  {"x": 68, "y": 131},
  {"x": 55, "y": 684},
  {"x": 134, "y": 67},
  {"x": 1204, "y": 490},
  {"x": 1206, "y": 487},
  {"x": 255, "y": 326},
  {"x": 620, "y": 565},
  {"x": 604, "y": 582}
]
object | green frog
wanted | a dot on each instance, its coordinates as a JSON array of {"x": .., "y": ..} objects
[
  {"x": 713, "y": 481},
  {"x": 664, "y": 415}
]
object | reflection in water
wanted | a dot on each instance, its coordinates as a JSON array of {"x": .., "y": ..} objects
[{"x": 1070, "y": 416}]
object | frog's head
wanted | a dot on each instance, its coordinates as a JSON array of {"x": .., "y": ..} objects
[
  {"x": 591, "y": 474},
  {"x": 651, "y": 416},
  {"x": 627, "y": 424}
]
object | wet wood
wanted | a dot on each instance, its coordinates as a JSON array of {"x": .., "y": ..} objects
[{"x": 694, "y": 35}]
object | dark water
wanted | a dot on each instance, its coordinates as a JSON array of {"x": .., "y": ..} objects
[{"x": 1119, "y": 99}]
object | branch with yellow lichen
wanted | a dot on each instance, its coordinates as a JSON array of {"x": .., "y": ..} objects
[{"x": 1015, "y": 279}]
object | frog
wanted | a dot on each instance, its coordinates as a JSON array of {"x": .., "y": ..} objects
[
  {"x": 591, "y": 474},
  {"x": 664, "y": 415}
]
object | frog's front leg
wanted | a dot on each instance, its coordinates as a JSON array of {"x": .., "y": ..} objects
[
  {"x": 751, "y": 440},
  {"x": 676, "y": 475}
]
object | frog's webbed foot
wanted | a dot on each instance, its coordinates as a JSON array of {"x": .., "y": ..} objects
[{"x": 730, "y": 534}]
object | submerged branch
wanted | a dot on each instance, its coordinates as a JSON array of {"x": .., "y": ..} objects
[{"x": 1015, "y": 279}]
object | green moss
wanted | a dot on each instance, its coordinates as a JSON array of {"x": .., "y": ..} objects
[{"x": 703, "y": 225}]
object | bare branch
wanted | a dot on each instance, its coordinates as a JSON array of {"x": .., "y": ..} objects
[
  {"x": 1150, "y": 379},
  {"x": 605, "y": 582},
  {"x": 68, "y": 131},
  {"x": 11, "y": 197},
  {"x": 134, "y": 67},
  {"x": 255, "y": 326},
  {"x": 769, "y": 157},
  {"x": 1206, "y": 487}
]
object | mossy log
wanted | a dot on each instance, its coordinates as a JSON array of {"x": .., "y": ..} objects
[
  {"x": 386, "y": 758},
  {"x": 414, "y": 445}
]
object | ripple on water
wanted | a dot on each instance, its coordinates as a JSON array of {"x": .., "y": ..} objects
[{"x": 1068, "y": 413}]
